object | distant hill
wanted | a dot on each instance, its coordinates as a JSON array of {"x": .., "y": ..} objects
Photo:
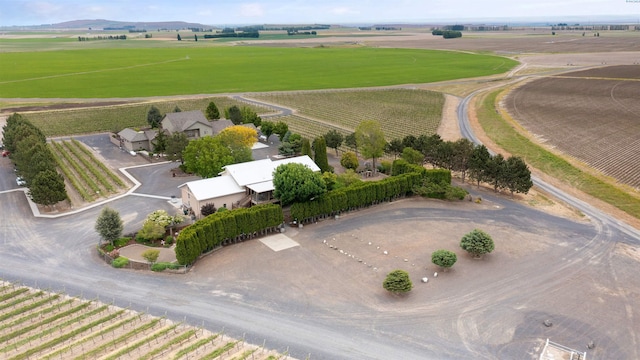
[{"x": 99, "y": 24}]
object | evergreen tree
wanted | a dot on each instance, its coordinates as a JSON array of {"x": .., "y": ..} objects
[
  {"x": 47, "y": 188},
  {"x": 517, "y": 176},
  {"x": 477, "y": 243},
  {"x": 397, "y": 282},
  {"x": 235, "y": 115},
  {"x": 320, "y": 154},
  {"x": 479, "y": 164},
  {"x": 306, "y": 148},
  {"x": 212, "y": 111},
  {"x": 154, "y": 117},
  {"x": 109, "y": 225},
  {"x": 462, "y": 151},
  {"x": 495, "y": 172},
  {"x": 444, "y": 258}
]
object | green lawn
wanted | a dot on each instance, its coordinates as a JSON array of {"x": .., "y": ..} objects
[{"x": 133, "y": 72}]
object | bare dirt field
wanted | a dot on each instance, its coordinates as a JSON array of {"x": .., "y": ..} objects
[
  {"x": 591, "y": 115},
  {"x": 490, "y": 308}
]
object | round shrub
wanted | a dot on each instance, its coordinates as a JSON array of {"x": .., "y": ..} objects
[{"x": 120, "y": 262}]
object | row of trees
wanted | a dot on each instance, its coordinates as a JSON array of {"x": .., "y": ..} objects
[
  {"x": 447, "y": 34},
  {"x": 465, "y": 157},
  {"x": 217, "y": 229},
  {"x": 34, "y": 161}
]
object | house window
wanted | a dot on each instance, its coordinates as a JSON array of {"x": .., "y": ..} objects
[{"x": 224, "y": 205}]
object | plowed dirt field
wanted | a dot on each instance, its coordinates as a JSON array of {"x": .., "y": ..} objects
[{"x": 592, "y": 115}]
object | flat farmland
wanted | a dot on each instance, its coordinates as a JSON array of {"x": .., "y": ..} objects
[
  {"x": 142, "y": 72},
  {"x": 591, "y": 115}
]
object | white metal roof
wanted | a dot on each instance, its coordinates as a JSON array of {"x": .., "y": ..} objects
[
  {"x": 262, "y": 187},
  {"x": 214, "y": 187},
  {"x": 258, "y": 171}
]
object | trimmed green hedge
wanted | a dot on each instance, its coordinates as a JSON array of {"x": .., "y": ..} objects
[
  {"x": 358, "y": 196},
  {"x": 219, "y": 228}
]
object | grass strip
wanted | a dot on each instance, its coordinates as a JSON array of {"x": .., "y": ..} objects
[
  {"x": 116, "y": 179},
  {"x": 95, "y": 335},
  {"x": 139, "y": 343},
  {"x": 27, "y": 308},
  {"x": 26, "y": 329},
  {"x": 219, "y": 351},
  {"x": 89, "y": 166},
  {"x": 22, "y": 299},
  {"x": 92, "y": 354},
  {"x": 79, "y": 170},
  {"x": 14, "y": 293},
  {"x": 507, "y": 137},
  {"x": 194, "y": 346},
  {"x": 69, "y": 175}
]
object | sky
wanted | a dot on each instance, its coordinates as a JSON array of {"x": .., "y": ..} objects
[{"x": 221, "y": 12}]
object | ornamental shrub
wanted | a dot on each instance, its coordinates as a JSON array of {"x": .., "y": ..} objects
[{"x": 120, "y": 262}]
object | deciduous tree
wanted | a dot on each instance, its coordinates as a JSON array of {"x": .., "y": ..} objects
[
  {"x": 349, "y": 160},
  {"x": 267, "y": 128},
  {"x": 333, "y": 139},
  {"x": 297, "y": 183},
  {"x": 370, "y": 140},
  {"x": 281, "y": 129},
  {"x": 206, "y": 156},
  {"x": 350, "y": 141},
  {"x": 238, "y": 135},
  {"x": 394, "y": 147},
  {"x": 109, "y": 225},
  {"x": 176, "y": 145},
  {"x": 397, "y": 282},
  {"x": 412, "y": 156}
]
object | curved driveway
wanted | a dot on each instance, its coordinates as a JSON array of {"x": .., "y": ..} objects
[{"x": 493, "y": 319}]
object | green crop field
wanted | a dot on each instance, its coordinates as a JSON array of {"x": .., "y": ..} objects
[{"x": 141, "y": 72}]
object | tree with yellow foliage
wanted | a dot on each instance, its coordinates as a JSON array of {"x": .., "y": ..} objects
[{"x": 238, "y": 135}]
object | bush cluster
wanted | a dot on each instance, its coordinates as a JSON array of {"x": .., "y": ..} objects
[{"x": 211, "y": 232}]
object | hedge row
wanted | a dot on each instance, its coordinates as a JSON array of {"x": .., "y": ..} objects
[
  {"x": 223, "y": 227},
  {"x": 358, "y": 196},
  {"x": 435, "y": 176}
]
